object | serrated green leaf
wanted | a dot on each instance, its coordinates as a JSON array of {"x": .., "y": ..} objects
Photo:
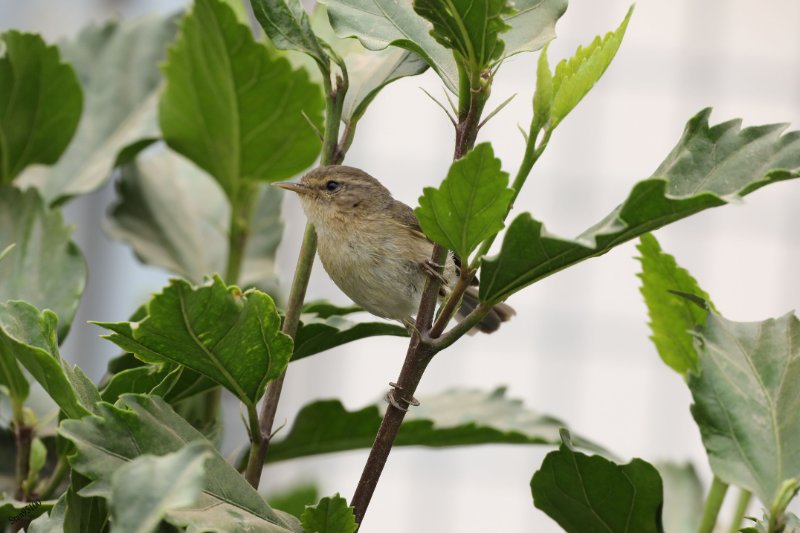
[
  {"x": 233, "y": 338},
  {"x": 147, "y": 425},
  {"x": 380, "y": 23},
  {"x": 683, "y": 497},
  {"x": 295, "y": 499},
  {"x": 590, "y": 493},
  {"x": 746, "y": 400},
  {"x": 671, "y": 316},
  {"x": 470, "y": 204},
  {"x": 144, "y": 490},
  {"x": 117, "y": 65},
  {"x": 287, "y": 25},
  {"x": 234, "y": 108},
  {"x": 330, "y": 515},
  {"x": 574, "y": 77},
  {"x": 175, "y": 216},
  {"x": 30, "y": 337},
  {"x": 39, "y": 232},
  {"x": 453, "y": 418},
  {"x": 322, "y": 328},
  {"x": 710, "y": 166},
  {"x": 470, "y": 29},
  {"x": 40, "y": 103}
]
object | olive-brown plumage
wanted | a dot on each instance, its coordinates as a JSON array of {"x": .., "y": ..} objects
[{"x": 371, "y": 245}]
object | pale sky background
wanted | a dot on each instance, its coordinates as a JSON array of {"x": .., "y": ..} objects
[{"x": 578, "y": 348}]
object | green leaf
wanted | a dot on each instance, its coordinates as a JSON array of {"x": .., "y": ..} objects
[
  {"x": 470, "y": 205},
  {"x": 330, "y": 515},
  {"x": 454, "y": 418},
  {"x": 380, "y": 23},
  {"x": 12, "y": 511},
  {"x": 322, "y": 328},
  {"x": 470, "y": 29},
  {"x": 144, "y": 490},
  {"x": 232, "y": 107},
  {"x": 174, "y": 383},
  {"x": 175, "y": 216},
  {"x": 11, "y": 376},
  {"x": 671, "y": 316},
  {"x": 231, "y": 337},
  {"x": 30, "y": 337},
  {"x": 289, "y": 28},
  {"x": 370, "y": 72},
  {"x": 39, "y": 232},
  {"x": 746, "y": 401},
  {"x": 574, "y": 77},
  {"x": 117, "y": 64},
  {"x": 683, "y": 497},
  {"x": 295, "y": 499},
  {"x": 37, "y": 458},
  {"x": 710, "y": 166},
  {"x": 147, "y": 425},
  {"x": 590, "y": 493},
  {"x": 543, "y": 96},
  {"x": 40, "y": 104}
]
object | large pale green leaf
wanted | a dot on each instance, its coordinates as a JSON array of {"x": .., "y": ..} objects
[
  {"x": 322, "y": 328},
  {"x": 44, "y": 268},
  {"x": 146, "y": 489},
  {"x": 683, "y": 497},
  {"x": 330, "y": 515},
  {"x": 380, "y": 23},
  {"x": 671, "y": 316},
  {"x": 574, "y": 77},
  {"x": 40, "y": 103},
  {"x": 175, "y": 216},
  {"x": 288, "y": 27},
  {"x": 29, "y": 336},
  {"x": 470, "y": 204},
  {"x": 117, "y": 64},
  {"x": 590, "y": 493},
  {"x": 710, "y": 166},
  {"x": 231, "y": 337},
  {"x": 746, "y": 400},
  {"x": 234, "y": 108},
  {"x": 141, "y": 425},
  {"x": 470, "y": 29},
  {"x": 453, "y": 418}
]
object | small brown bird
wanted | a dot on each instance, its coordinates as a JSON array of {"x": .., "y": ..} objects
[{"x": 372, "y": 246}]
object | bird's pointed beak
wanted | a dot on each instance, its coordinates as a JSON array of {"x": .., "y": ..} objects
[{"x": 299, "y": 188}]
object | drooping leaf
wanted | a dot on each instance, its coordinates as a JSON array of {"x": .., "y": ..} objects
[
  {"x": 590, "y": 493},
  {"x": 40, "y": 103},
  {"x": 287, "y": 25},
  {"x": 470, "y": 29},
  {"x": 39, "y": 232},
  {"x": 117, "y": 64},
  {"x": 295, "y": 499},
  {"x": 671, "y": 316},
  {"x": 380, "y": 23},
  {"x": 710, "y": 166},
  {"x": 322, "y": 328},
  {"x": 147, "y": 425},
  {"x": 683, "y": 497},
  {"x": 574, "y": 77},
  {"x": 12, "y": 511},
  {"x": 470, "y": 204},
  {"x": 144, "y": 490},
  {"x": 330, "y": 515},
  {"x": 172, "y": 382},
  {"x": 233, "y": 338},
  {"x": 175, "y": 216},
  {"x": 30, "y": 337},
  {"x": 234, "y": 108},
  {"x": 453, "y": 418},
  {"x": 746, "y": 400},
  {"x": 371, "y": 71}
]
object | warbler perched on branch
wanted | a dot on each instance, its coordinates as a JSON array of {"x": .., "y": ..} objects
[{"x": 373, "y": 248}]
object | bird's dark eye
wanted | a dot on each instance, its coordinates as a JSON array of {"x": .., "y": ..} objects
[{"x": 333, "y": 185}]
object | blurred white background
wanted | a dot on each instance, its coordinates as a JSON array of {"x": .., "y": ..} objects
[{"x": 578, "y": 348}]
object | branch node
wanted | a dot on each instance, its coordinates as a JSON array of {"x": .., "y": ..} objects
[{"x": 390, "y": 398}]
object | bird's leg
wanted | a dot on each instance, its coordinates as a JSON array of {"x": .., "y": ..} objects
[
  {"x": 432, "y": 269},
  {"x": 393, "y": 401}
]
